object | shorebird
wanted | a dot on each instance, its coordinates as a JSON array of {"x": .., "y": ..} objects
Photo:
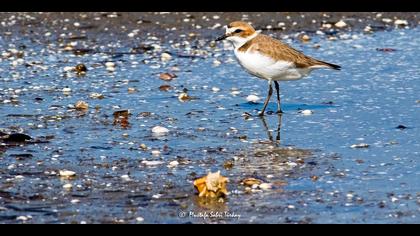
[{"x": 269, "y": 59}]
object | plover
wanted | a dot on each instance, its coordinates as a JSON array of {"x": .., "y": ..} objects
[{"x": 269, "y": 59}]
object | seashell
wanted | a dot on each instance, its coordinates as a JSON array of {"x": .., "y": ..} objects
[
  {"x": 213, "y": 185},
  {"x": 81, "y": 105}
]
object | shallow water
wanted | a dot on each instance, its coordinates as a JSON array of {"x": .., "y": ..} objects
[{"x": 317, "y": 176}]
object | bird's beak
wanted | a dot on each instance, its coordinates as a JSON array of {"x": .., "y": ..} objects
[{"x": 221, "y": 37}]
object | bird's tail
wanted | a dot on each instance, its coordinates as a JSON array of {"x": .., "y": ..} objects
[{"x": 329, "y": 65}]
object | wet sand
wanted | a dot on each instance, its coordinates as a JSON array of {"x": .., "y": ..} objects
[{"x": 201, "y": 22}]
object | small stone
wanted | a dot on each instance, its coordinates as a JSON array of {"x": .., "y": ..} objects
[
  {"x": 156, "y": 153},
  {"x": 22, "y": 218},
  {"x": 307, "y": 112},
  {"x": 165, "y": 87},
  {"x": 132, "y": 90},
  {"x": 68, "y": 186},
  {"x": 394, "y": 199},
  {"x": 139, "y": 219},
  {"x": 305, "y": 38},
  {"x": 367, "y": 29},
  {"x": 81, "y": 105},
  {"x": 217, "y": 63},
  {"x": 67, "y": 173},
  {"x": 265, "y": 186},
  {"x": 68, "y": 68},
  {"x": 110, "y": 64},
  {"x": 167, "y": 76},
  {"x": 165, "y": 57},
  {"x": 386, "y": 20},
  {"x": 183, "y": 97},
  {"x": 401, "y": 22},
  {"x": 251, "y": 181},
  {"x": 253, "y": 98},
  {"x": 143, "y": 147},
  {"x": 160, "y": 130},
  {"x": 66, "y": 90},
  {"x": 215, "y": 89},
  {"x": 110, "y": 69},
  {"x": 125, "y": 177},
  {"x": 75, "y": 201},
  {"x": 173, "y": 164},
  {"x": 152, "y": 163},
  {"x": 360, "y": 145},
  {"x": 327, "y": 26},
  {"x": 96, "y": 96},
  {"x": 81, "y": 69},
  {"x": 340, "y": 24}
]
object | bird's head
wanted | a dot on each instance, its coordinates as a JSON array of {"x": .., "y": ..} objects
[{"x": 238, "y": 33}]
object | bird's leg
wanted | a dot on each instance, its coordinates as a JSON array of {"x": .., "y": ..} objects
[
  {"x": 270, "y": 92},
  {"x": 279, "y": 111}
]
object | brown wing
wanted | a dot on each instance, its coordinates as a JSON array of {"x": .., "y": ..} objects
[{"x": 281, "y": 51}]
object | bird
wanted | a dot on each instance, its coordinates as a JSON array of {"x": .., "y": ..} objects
[{"x": 269, "y": 59}]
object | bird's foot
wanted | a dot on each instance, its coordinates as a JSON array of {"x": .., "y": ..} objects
[{"x": 280, "y": 112}]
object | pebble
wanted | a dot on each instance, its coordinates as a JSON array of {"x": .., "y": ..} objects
[
  {"x": 367, "y": 29},
  {"x": 173, "y": 164},
  {"x": 81, "y": 68},
  {"x": 66, "y": 90},
  {"x": 67, "y": 173},
  {"x": 307, "y": 112},
  {"x": 165, "y": 57},
  {"x": 155, "y": 152},
  {"x": 215, "y": 89},
  {"x": 160, "y": 130},
  {"x": 22, "y": 218},
  {"x": 143, "y": 146},
  {"x": 340, "y": 24},
  {"x": 125, "y": 177},
  {"x": 110, "y": 64},
  {"x": 68, "y": 68},
  {"x": 327, "y": 26},
  {"x": 265, "y": 186},
  {"x": 81, "y": 105},
  {"x": 167, "y": 76},
  {"x": 131, "y": 90},
  {"x": 110, "y": 69},
  {"x": 305, "y": 38},
  {"x": 253, "y": 98},
  {"x": 139, "y": 219},
  {"x": 394, "y": 199},
  {"x": 75, "y": 201},
  {"x": 401, "y": 22},
  {"x": 217, "y": 63},
  {"x": 360, "y": 145},
  {"x": 386, "y": 20},
  {"x": 183, "y": 97},
  {"x": 152, "y": 163},
  {"x": 68, "y": 186},
  {"x": 96, "y": 96}
]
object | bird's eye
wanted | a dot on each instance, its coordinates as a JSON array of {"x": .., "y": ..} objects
[{"x": 238, "y": 31}]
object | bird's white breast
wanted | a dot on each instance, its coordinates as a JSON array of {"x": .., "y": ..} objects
[{"x": 266, "y": 67}]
